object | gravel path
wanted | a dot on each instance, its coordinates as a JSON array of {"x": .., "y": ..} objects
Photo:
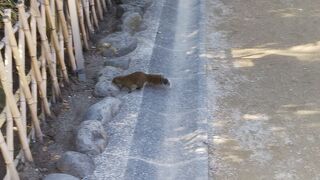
[{"x": 264, "y": 57}]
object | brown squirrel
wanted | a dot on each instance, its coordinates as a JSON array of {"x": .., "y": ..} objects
[{"x": 138, "y": 79}]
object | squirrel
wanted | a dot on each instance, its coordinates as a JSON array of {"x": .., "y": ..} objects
[{"x": 138, "y": 79}]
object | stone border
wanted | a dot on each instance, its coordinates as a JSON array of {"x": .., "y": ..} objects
[{"x": 91, "y": 137}]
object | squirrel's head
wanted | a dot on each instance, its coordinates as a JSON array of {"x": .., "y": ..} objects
[
  {"x": 165, "y": 81},
  {"x": 117, "y": 81}
]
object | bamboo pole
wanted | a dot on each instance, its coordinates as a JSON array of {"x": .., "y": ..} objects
[
  {"x": 45, "y": 45},
  {"x": 99, "y": 9},
  {"x": 23, "y": 79},
  {"x": 33, "y": 56},
  {"x": 8, "y": 159},
  {"x": 86, "y": 7},
  {"x": 34, "y": 84},
  {"x": 15, "y": 112},
  {"x": 68, "y": 43},
  {"x": 42, "y": 57},
  {"x": 77, "y": 40},
  {"x": 55, "y": 40},
  {"x": 9, "y": 120},
  {"x": 82, "y": 26},
  {"x": 104, "y": 5},
  {"x": 21, "y": 46},
  {"x": 94, "y": 14}
]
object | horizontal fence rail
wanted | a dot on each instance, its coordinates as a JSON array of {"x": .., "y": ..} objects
[{"x": 38, "y": 51}]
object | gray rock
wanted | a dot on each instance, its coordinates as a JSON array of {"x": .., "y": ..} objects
[
  {"x": 131, "y": 22},
  {"x": 91, "y": 137},
  {"x": 105, "y": 88},
  {"x": 109, "y": 72},
  {"x": 104, "y": 110},
  {"x": 131, "y": 8},
  {"x": 60, "y": 176},
  {"x": 119, "y": 11},
  {"x": 76, "y": 164},
  {"x": 117, "y": 44},
  {"x": 143, "y": 27},
  {"x": 120, "y": 62}
]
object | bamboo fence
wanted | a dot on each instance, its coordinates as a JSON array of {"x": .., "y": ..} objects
[{"x": 43, "y": 47}]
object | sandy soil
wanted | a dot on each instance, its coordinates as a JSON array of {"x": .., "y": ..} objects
[{"x": 265, "y": 59}]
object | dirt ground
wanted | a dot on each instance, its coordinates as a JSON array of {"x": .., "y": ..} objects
[
  {"x": 77, "y": 98},
  {"x": 265, "y": 59}
]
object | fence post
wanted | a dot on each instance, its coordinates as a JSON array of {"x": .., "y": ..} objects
[
  {"x": 45, "y": 45},
  {"x": 66, "y": 34},
  {"x": 8, "y": 159},
  {"x": 52, "y": 26},
  {"x": 15, "y": 112},
  {"x": 33, "y": 55},
  {"x": 23, "y": 79},
  {"x": 94, "y": 14},
  {"x": 9, "y": 120},
  {"x": 77, "y": 39},
  {"x": 82, "y": 25}
]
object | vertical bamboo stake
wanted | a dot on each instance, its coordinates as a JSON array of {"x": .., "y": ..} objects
[
  {"x": 82, "y": 26},
  {"x": 63, "y": 24},
  {"x": 34, "y": 82},
  {"x": 86, "y": 7},
  {"x": 15, "y": 112},
  {"x": 45, "y": 45},
  {"x": 53, "y": 50},
  {"x": 77, "y": 40},
  {"x": 32, "y": 50},
  {"x": 9, "y": 120},
  {"x": 100, "y": 10},
  {"x": 54, "y": 63},
  {"x": 55, "y": 40},
  {"x": 104, "y": 5},
  {"x": 94, "y": 14},
  {"x": 21, "y": 46},
  {"x": 60, "y": 37},
  {"x": 8, "y": 159},
  {"x": 23, "y": 79},
  {"x": 43, "y": 59}
]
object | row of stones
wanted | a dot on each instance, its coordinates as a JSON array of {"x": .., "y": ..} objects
[{"x": 91, "y": 138}]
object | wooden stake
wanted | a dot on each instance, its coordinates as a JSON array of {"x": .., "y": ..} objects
[
  {"x": 45, "y": 45},
  {"x": 82, "y": 26},
  {"x": 8, "y": 159},
  {"x": 99, "y": 8},
  {"x": 77, "y": 40},
  {"x": 104, "y": 5},
  {"x": 23, "y": 79},
  {"x": 33, "y": 56},
  {"x": 22, "y": 48},
  {"x": 66, "y": 35},
  {"x": 11, "y": 102},
  {"x": 86, "y": 7},
  {"x": 94, "y": 14},
  {"x": 55, "y": 40},
  {"x": 9, "y": 120}
]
